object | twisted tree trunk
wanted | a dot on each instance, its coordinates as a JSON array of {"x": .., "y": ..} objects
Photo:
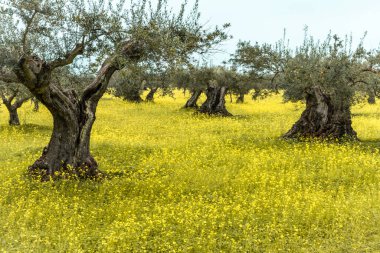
[
  {"x": 192, "y": 101},
  {"x": 323, "y": 118},
  {"x": 13, "y": 117},
  {"x": 150, "y": 96},
  {"x": 73, "y": 118},
  {"x": 240, "y": 99},
  {"x": 69, "y": 148},
  {"x": 12, "y": 108},
  {"x": 215, "y": 102}
]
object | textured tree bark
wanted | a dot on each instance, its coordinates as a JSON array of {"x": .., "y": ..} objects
[
  {"x": 323, "y": 118},
  {"x": 13, "y": 117},
  {"x": 215, "y": 102},
  {"x": 150, "y": 96},
  {"x": 240, "y": 99},
  {"x": 68, "y": 152},
  {"x": 192, "y": 101},
  {"x": 73, "y": 117}
]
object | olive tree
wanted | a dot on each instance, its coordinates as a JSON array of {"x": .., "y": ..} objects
[
  {"x": 218, "y": 79},
  {"x": 372, "y": 86},
  {"x": 194, "y": 79},
  {"x": 261, "y": 66},
  {"x": 129, "y": 83},
  {"x": 112, "y": 34},
  {"x": 159, "y": 76},
  {"x": 326, "y": 74},
  {"x": 12, "y": 94},
  {"x": 13, "y": 97}
]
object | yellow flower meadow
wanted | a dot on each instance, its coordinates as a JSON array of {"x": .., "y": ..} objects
[{"x": 183, "y": 182}]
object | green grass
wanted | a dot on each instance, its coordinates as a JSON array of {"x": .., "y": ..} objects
[{"x": 190, "y": 183}]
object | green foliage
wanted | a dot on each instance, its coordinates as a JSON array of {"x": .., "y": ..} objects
[
  {"x": 193, "y": 78},
  {"x": 199, "y": 78},
  {"x": 97, "y": 28},
  {"x": 332, "y": 65},
  {"x": 129, "y": 82}
]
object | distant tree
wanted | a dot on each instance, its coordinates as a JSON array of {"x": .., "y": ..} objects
[
  {"x": 129, "y": 83},
  {"x": 218, "y": 80},
  {"x": 52, "y": 35},
  {"x": 13, "y": 97},
  {"x": 12, "y": 94},
  {"x": 240, "y": 86},
  {"x": 193, "y": 79},
  {"x": 373, "y": 89},
  {"x": 261, "y": 67},
  {"x": 326, "y": 74},
  {"x": 159, "y": 77}
]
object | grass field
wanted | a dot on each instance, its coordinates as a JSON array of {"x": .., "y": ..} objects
[{"x": 190, "y": 183}]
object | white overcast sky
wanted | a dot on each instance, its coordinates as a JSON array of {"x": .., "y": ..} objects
[{"x": 265, "y": 20}]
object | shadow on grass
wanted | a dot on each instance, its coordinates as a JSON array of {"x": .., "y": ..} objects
[
  {"x": 373, "y": 143},
  {"x": 370, "y": 115},
  {"x": 27, "y": 128},
  {"x": 119, "y": 158}
]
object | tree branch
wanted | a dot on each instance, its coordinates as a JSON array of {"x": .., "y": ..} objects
[
  {"x": 8, "y": 77},
  {"x": 13, "y": 95},
  {"x": 130, "y": 50},
  {"x": 371, "y": 69},
  {"x": 69, "y": 57},
  {"x": 21, "y": 101},
  {"x": 8, "y": 101},
  {"x": 4, "y": 98},
  {"x": 25, "y": 34}
]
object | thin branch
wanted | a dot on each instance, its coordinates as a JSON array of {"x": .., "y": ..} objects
[
  {"x": 8, "y": 101},
  {"x": 8, "y": 77},
  {"x": 69, "y": 57},
  {"x": 14, "y": 94},
  {"x": 4, "y": 98},
  {"x": 20, "y": 101},
  {"x": 371, "y": 69},
  {"x": 353, "y": 82},
  {"x": 25, "y": 35}
]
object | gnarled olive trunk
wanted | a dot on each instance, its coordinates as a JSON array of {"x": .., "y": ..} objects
[
  {"x": 192, "y": 101},
  {"x": 69, "y": 146},
  {"x": 240, "y": 99},
  {"x": 13, "y": 117},
  {"x": 73, "y": 118},
  {"x": 323, "y": 118},
  {"x": 215, "y": 102},
  {"x": 150, "y": 96},
  {"x": 73, "y": 115}
]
